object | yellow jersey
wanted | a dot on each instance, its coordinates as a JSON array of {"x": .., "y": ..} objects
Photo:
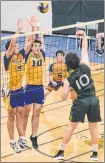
[
  {"x": 35, "y": 68},
  {"x": 15, "y": 65},
  {"x": 59, "y": 71}
]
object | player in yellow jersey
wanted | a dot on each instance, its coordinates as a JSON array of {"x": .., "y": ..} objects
[
  {"x": 14, "y": 63},
  {"x": 58, "y": 72},
  {"x": 34, "y": 95}
]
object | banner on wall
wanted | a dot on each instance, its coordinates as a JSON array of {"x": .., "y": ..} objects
[{"x": 70, "y": 12}]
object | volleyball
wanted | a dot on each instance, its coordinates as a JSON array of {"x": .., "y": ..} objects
[{"x": 43, "y": 7}]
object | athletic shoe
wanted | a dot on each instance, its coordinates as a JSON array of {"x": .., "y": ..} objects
[
  {"x": 94, "y": 156},
  {"x": 34, "y": 142},
  {"x": 23, "y": 144},
  {"x": 59, "y": 155},
  {"x": 15, "y": 147}
]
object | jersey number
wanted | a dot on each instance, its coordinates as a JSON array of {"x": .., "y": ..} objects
[
  {"x": 19, "y": 68},
  {"x": 80, "y": 82},
  {"x": 38, "y": 63},
  {"x": 60, "y": 75}
]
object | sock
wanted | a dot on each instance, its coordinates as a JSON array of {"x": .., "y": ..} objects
[
  {"x": 12, "y": 141},
  {"x": 22, "y": 137},
  {"x": 95, "y": 147},
  {"x": 62, "y": 147},
  {"x": 33, "y": 136}
]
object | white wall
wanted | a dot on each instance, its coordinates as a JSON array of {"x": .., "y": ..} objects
[{"x": 12, "y": 10}]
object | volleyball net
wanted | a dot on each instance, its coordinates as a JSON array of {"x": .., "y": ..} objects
[{"x": 55, "y": 42}]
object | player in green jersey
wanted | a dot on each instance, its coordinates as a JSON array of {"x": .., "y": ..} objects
[{"x": 86, "y": 102}]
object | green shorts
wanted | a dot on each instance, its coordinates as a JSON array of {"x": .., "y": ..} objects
[{"x": 82, "y": 106}]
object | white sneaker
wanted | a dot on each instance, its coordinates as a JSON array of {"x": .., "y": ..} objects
[
  {"x": 15, "y": 147},
  {"x": 23, "y": 144}
]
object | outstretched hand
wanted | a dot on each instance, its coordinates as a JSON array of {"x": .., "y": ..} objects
[
  {"x": 20, "y": 24},
  {"x": 80, "y": 33},
  {"x": 32, "y": 21}
]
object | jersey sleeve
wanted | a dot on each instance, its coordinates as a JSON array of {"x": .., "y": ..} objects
[
  {"x": 27, "y": 55},
  {"x": 22, "y": 51},
  {"x": 6, "y": 62},
  {"x": 36, "y": 37},
  {"x": 71, "y": 77},
  {"x": 51, "y": 68},
  {"x": 69, "y": 80},
  {"x": 43, "y": 53}
]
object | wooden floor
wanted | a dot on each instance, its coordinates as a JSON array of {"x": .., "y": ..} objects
[{"x": 53, "y": 122}]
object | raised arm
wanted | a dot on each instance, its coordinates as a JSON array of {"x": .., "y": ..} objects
[
  {"x": 30, "y": 39},
  {"x": 41, "y": 38},
  {"x": 12, "y": 43},
  {"x": 84, "y": 58}
]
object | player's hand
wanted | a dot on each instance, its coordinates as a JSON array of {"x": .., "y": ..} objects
[
  {"x": 20, "y": 24},
  {"x": 38, "y": 25},
  {"x": 54, "y": 83},
  {"x": 63, "y": 80},
  {"x": 80, "y": 33},
  {"x": 32, "y": 21},
  {"x": 5, "y": 92}
]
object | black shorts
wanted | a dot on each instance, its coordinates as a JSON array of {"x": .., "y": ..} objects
[{"x": 87, "y": 105}]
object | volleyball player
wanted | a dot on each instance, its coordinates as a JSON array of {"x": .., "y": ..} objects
[
  {"x": 34, "y": 95},
  {"x": 100, "y": 40},
  {"x": 100, "y": 43},
  {"x": 86, "y": 103},
  {"x": 58, "y": 72},
  {"x": 14, "y": 64}
]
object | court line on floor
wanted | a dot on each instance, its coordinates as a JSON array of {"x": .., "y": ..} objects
[
  {"x": 51, "y": 109},
  {"x": 76, "y": 156},
  {"x": 56, "y": 140},
  {"x": 59, "y": 107},
  {"x": 48, "y": 141},
  {"x": 60, "y": 137}
]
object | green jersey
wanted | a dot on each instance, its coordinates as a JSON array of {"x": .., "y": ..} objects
[{"x": 81, "y": 81}]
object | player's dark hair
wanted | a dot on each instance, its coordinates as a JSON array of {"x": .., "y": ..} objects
[
  {"x": 7, "y": 45},
  {"x": 61, "y": 52},
  {"x": 72, "y": 61},
  {"x": 37, "y": 41}
]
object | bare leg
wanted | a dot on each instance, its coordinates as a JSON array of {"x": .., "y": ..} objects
[
  {"x": 35, "y": 118},
  {"x": 27, "y": 109},
  {"x": 93, "y": 132},
  {"x": 10, "y": 123},
  {"x": 46, "y": 93},
  {"x": 19, "y": 120},
  {"x": 68, "y": 134},
  {"x": 94, "y": 138}
]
